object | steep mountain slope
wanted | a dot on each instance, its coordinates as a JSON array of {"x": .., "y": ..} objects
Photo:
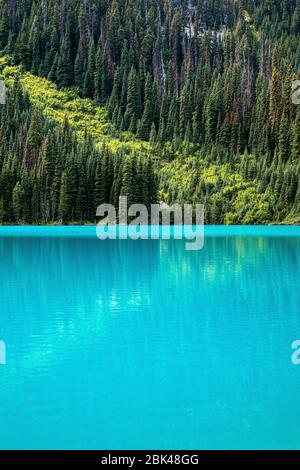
[
  {"x": 82, "y": 114},
  {"x": 201, "y": 87},
  {"x": 56, "y": 159},
  {"x": 177, "y": 178}
]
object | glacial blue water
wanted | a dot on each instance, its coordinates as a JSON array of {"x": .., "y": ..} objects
[{"x": 144, "y": 345}]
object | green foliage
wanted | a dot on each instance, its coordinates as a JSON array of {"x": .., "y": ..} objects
[
  {"x": 199, "y": 88},
  {"x": 49, "y": 175},
  {"x": 82, "y": 114},
  {"x": 230, "y": 199}
]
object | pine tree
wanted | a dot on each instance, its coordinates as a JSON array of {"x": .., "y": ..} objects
[
  {"x": 283, "y": 138},
  {"x": 100, "y": 184},
  {"x": 18, "y": 202},
  {"x": 35, "y": 137},
  {"x": 64, "y": 202},
  {"x": 128, "y": 184},
  {"x": 295, "y": 152},
  {"x": 133, "y": 108},
  {"x": 100, "y": 78},
  {"x": 275, "y": 99},
  {"x": 64, "y": 65},
  {"x": 296, "y": 19},
  {"x": 2, "y": 210},
  {"x": 4, "y": 24},
  {"x": 146, "y": 122},
  {"x": 89, "y": 79}
]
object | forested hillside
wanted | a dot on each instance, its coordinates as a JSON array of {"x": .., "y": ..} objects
[
  {"x": 205, "y": 84},
  {"x": 53, "y": 172}
]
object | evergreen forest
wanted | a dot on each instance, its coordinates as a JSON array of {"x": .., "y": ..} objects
[{"x": 187, "y": 101}]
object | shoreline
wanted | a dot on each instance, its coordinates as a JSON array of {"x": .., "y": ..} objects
[{"x": 90, "y": 231}]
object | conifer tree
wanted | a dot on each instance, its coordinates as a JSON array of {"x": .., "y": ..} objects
[
  {"x": 295, "y": 151},
  {"x": 64, "y": 65},
  {"x": 89, "y": 79},
  {"x": 133, "y": 107},
  {"x": 18, "y": 202}
]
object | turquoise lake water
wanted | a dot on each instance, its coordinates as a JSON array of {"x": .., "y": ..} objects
[{"x": 144, "y": 345}]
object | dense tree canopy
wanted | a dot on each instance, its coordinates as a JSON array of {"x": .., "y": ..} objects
[
  {"x": 208, "y": 80},
  {"x": 47, "y": 175}
]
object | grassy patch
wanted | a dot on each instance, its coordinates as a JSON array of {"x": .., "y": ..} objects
[{"x": 82, "y": 114}]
